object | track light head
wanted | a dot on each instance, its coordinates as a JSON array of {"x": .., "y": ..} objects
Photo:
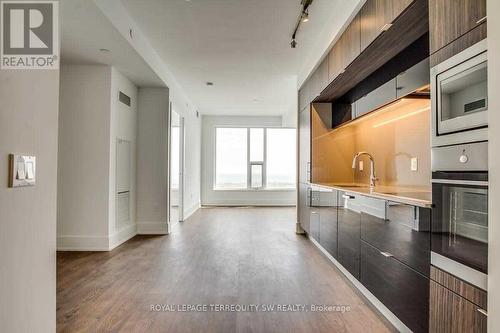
[
  {"x": 305, "y": 16},
  {"x": 293, "y": 44}
]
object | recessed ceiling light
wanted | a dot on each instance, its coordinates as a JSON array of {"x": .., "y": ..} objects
[
  {"x": 105, "y": 50},
  {"x": 209, "y": 83}
]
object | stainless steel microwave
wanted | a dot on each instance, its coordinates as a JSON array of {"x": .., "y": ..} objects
[{"x": 459, "y": 96}]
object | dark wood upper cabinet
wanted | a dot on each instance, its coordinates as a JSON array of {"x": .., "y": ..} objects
[
  {"x": 320, "y": 79},
  {"x": 376, "y": 14},
  {"x": 347, "y": 48},
  {"x": 304, "y": 96},
  {"x": 450, "y": 19}
]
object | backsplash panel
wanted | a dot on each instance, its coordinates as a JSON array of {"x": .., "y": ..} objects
[{"x": 392, "y": 135}]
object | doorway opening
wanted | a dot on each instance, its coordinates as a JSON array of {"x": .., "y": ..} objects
[{"x": 176, "y": 167}]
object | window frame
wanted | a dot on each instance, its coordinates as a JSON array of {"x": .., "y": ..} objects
[{"x": 249, "y": 162}]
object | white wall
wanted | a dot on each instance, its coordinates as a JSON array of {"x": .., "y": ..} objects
[
  {"x": 91, "y": 119},
  {"x": 28, "y": 124},
  {"x": 494, "y": 167},
  {"x": 84, "y": 150},
  {"x": 192, "y": 157},
  {"x": 152, "y": 160},
  {"x": 209, "y": 196},
  {"x": 123, "y": 126}
]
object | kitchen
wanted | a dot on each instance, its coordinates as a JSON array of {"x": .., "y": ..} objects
[{"x": 393, "y": 162}]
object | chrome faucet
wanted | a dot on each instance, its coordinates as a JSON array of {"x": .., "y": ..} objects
[{"x": 373, "y": 178}]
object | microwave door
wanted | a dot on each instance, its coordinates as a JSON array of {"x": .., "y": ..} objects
[{"x": 462, "y": 100}]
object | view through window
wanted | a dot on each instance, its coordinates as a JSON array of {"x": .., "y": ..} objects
[{"x": 255, "y": 158}]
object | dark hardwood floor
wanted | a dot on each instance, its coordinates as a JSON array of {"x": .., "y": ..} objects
[{"x": 219, "y": 256}]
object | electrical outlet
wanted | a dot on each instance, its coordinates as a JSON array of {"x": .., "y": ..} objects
[
  {"x": 414, "y": 164},
  {"x": 361, "y": 166}
]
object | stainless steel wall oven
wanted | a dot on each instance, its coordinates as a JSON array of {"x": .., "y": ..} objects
[{"x": 459, "y": 228}]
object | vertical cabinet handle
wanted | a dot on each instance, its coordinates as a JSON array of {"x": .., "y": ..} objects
[
  {"x": 481, "y": 20},
  {"x": 386, "y": 254},
  {"x": 483, "y": 312}
]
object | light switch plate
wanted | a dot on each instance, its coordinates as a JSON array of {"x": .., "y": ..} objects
[
  {"x": 22, "y": 170},
  {"x": 414, "y": 164},
  {"x": 361, "y": 166}
]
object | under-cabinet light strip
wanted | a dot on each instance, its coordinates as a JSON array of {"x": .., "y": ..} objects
[{"x": 401, "y": 117}]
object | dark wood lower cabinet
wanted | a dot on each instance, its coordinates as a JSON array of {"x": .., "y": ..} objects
[
  {"x": 349, "y": 224},
  {"x": 303, "y": 206},
  {"x": 328, "y": 222},
  {"x": 451, "y": 313},
  {"x": 404, "y": 291}
]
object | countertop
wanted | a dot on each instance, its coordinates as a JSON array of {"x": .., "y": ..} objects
[{"x": 415, "y": 196}]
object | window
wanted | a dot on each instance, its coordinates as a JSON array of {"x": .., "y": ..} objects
[
  {"x": 255, "y": 158},
  {"x": 231, "y": 158},
  {"x": 281, "y": 155}
]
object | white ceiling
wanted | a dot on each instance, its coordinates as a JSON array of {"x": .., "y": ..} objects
[
  {"x": 243, "y": 46},
  {"x": 85, "y": 30}
]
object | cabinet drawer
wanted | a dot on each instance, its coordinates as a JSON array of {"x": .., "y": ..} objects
[
  {"x": 405, "y": 233},
  {"x": 402, "y": 290},
  {"x": 451, "y": 313}
]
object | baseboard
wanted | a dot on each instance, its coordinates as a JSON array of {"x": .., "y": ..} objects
[
  {"x": 122, "y": 236},
  {"x": 82, "y": 243},
  {"x": 193, "y": 209},
  {"x": 391, "y": 317},
  {"x": 152, "y": 228}
]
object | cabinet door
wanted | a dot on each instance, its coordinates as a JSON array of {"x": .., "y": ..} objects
[
  {"x": 382, "y": 95},
  {"x": 320, "y": 78},
  {"x": 450, "y": 19},
  {"x": 413, "y": 78},
  {"x": 451, "y": 313},
  {"x": 398, "y": 6},
  {"x": 402, "y": 290},
  {"x": 303, "y": 206},
  {"x": 305, "y": 146},
  {"x": 405, "y": 233},
  {"x": 304, "y": 93},
  {"x": 347, "y": 48},
  {"x": 314, "y": 219},
  {"x": 349, "y": 219},
  {"x": 328, "y": 221},
  {"x": 374, "y": 15}
]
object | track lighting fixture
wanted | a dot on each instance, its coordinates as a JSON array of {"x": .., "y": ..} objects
[{"x": 303, "y": 18}]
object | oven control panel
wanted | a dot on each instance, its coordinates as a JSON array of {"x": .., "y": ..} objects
[{"x": 465, "y": 157}]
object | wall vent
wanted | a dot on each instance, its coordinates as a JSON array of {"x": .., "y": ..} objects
[{"x": 124, "y": 99}]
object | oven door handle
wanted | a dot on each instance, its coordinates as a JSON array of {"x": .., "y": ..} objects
[{"x": 460, "y": 182}]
